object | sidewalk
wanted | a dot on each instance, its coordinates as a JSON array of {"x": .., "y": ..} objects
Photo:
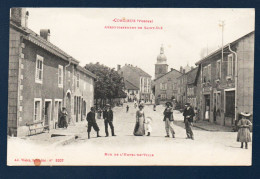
[
  {"x": 59, "y": 136},
  {"x": 208, "y": 126}
]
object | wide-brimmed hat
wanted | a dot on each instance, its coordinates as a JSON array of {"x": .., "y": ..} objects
[
  {"x": 108, "y": 105},
  {"x": 246, "y": 114},
  {"x": 187, "y": 104},
  {"x": 168, "y": 103}
]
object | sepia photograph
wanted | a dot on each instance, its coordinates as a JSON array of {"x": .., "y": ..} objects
[{"x": 130, "y": 86}]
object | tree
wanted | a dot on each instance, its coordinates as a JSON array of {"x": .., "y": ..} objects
[{"x": 109, "y": 83}]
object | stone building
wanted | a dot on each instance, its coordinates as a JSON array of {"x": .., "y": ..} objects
[
  {"x": 182, "y": 89},
  {"x": 42, "y": 79},
  {"x": 165, "y": 82},
  {"x": 227, "y": 83},
  {"x": 166, "y": 87},
  {"x": 138, "y": 78},
  {"x": 132, "y": 91},
  {"x": 192, "y": 77}
]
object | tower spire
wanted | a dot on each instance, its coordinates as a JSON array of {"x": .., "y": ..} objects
[{"x": 162, "y": 50}]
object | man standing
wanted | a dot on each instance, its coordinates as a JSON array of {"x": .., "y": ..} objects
[
  {"x": 91, "y": 118},
  {"x": 168, "y": 118},
  {"x": 188, "y": 119},
  {"x": 108, "y": 119}
]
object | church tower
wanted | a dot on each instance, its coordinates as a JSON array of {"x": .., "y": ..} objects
[{"x": 161, "y": 66}]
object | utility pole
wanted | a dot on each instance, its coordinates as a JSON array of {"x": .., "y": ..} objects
[{"x": 222, "y": 24}]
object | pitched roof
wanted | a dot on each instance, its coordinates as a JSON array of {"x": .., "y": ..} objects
[
  {"x": 167, "y": 74},
  {"x": 220, "y": 49},
  {"x": 139, "y": 71},
  {"x": 41, "y": 42},
  {"x": 191, "y": 78},
  {"x": 129, "y": 85},
  {"x": 87, "y": 72}
]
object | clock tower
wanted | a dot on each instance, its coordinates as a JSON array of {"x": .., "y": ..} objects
[{"x": 161, "y": 66}]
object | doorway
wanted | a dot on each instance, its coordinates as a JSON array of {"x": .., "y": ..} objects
[
  {"x": 57, "y": 110},
  {"x": 47, "y": 112},
  {"x": 229, "y": 107},
  {"x": 207, "y": 107}
]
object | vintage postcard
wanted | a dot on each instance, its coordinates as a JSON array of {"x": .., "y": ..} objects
[{"x": 130, "y": 87}]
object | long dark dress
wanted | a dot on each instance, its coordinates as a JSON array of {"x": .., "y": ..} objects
[
  {"x": 243, "y": 134},
  {"x": 139, "y": 126},
  {"x": 63, "y": 120}
]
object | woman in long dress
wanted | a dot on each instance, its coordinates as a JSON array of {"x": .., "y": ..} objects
[
  {"x": 243, "y": 134},
  {"x": 63, "y": 118},
  {"x": 140, "y": 119}
]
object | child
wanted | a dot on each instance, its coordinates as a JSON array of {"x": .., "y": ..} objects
[
  {"x": 148, "y": 127},
  {"x": 127, "y": 108},
  {"x": 243, "y": 134}
]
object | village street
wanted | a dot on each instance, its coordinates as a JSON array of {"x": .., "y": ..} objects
[
  {"x": 212, "y": 147},
  {"x": 124, "y": 125},
  {"x": 218, "y": 146}
]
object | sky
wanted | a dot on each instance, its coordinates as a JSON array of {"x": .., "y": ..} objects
[{"x": 187, "y": 34}]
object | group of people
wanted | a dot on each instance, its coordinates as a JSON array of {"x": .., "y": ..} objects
[
  {"x": 108, "y": 121},
  {"x": 143, "y": 124}
]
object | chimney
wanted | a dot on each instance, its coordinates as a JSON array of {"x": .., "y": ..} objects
[
  {"x": 26, "y": 18},
  {"x": 19, "y": 16},
  {"x": 118, "y": 67},
  {"x": 181, "y": 69},
  {"x": 45, "y": 33}
]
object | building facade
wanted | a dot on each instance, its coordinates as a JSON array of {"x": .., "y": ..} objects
[
  {"x": 42, "y": 79},
  {"x": 192, "y": 97},
  {"x": 132, "y": 92},
  {"x": 138, "y": 78},
  {"x": 182, "y": 90},
  {"x": 165, "y": 82},
  {"x": 227, "y": 83},
  {"x": 166, "y": 87}
]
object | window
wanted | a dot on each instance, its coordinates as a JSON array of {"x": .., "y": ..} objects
[
  {"x": 206, "y": 74},
  {"x": 204, "y": 80},
  {"x": 230, "y": 65},
  {"x": 60, "y": 76},
  {"x": 218, "y": 69},
  {"x": 217, "y": 100},
  {"x": 39, "y": 69},
  {"x": 37, "y": 109},
  {"x": 209, "y": 72},
  {"x": 163, "y": 96},
  {"x": 78, "y": 80},
  {"x": 163, "y": 86},
  {"x": 69, "y": 78}
]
